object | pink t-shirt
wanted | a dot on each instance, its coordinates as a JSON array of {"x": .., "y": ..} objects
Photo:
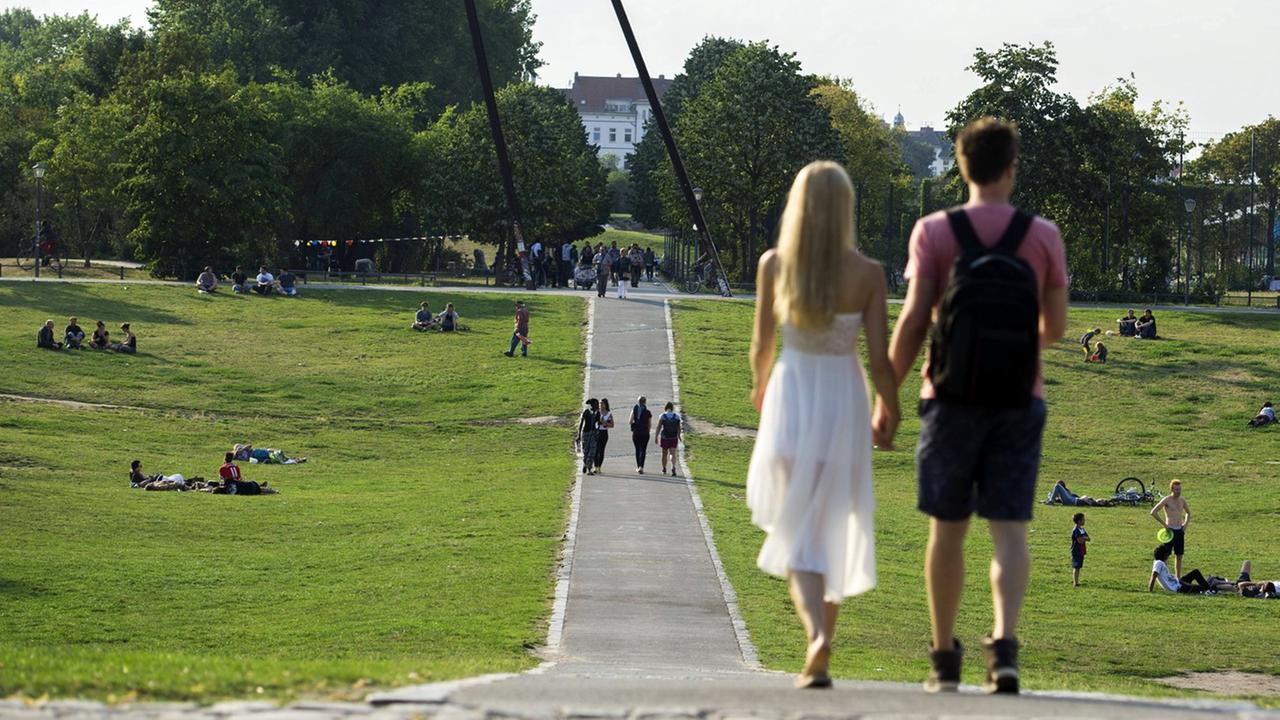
[{"x": 933, "y": 249}]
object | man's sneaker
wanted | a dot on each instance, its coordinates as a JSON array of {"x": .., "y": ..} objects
[
  {"x": 509, "y": 354},
  {"x": 944, "y": 669},
  {"x": 1002, "y": 666}
]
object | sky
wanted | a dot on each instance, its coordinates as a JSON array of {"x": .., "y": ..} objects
[{"x": 1221, "y": 58}]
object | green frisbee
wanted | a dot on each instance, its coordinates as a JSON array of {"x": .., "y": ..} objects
[{"x": 1164, "y": 535}]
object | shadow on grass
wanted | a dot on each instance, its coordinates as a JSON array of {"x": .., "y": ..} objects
[{"x": 61, "y": 301}]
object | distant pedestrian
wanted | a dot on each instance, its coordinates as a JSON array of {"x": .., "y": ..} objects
[
  {"x": 588, "y": 423},
  {"x": 636, "y": 256},
  {"x": 650, "y": 260},
  {"x": 520, "y": 335},
  {"x": 669, "y": 436},
  {"x": 615, "y": 257},
  {"x": 1079, "y": 539},
  {"x": 604, "y": 266},
  {"x": 641, "y": 421},
  {"x": 602, "y": 431},
  {"x": 623, "y": 281}
]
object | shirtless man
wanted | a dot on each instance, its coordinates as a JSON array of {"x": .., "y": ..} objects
[{"x": 1177, "y": 515}]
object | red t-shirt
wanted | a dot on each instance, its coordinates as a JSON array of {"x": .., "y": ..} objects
[
  {"x": 229, "y": 471},
  {"x": 933, "y": 249}
]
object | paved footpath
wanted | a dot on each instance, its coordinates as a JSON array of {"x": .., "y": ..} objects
[{"x": 645, "y": 627}]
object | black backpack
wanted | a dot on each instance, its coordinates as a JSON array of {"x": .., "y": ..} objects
[{"x": 985, "y": 346}]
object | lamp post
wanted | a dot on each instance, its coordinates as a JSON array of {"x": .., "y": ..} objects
[
  {"x": 38, "y": 169},
  {"x": 697, "y": 195},
  {"x": 1190, "y": 206}
]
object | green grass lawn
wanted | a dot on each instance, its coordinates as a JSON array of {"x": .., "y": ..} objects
[
  {"x": 1164, "y": 409},
  {"x": 417, "y": 544}
]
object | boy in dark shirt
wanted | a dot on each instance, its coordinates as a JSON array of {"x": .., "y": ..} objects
[
  {"x": 1078, "y": 548},
  {"x": 73, "y": 335},
  {"x": 44, "y": 338},
  {"x": 239, "y": 280}
]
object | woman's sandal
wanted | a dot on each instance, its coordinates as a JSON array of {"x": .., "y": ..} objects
[{"x": 813, "y": 682}]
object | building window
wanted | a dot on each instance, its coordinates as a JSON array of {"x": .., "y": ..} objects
[
  {"x": 626, "y": 135},
  {"x": 595, "y": 135},
  {"x": 613, "y": 135}
]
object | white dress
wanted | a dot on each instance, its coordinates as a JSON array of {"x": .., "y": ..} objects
[{"x": 809, "y": 482}]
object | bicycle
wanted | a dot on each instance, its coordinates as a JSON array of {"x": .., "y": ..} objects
[
  {"x": 26, "y": 259},
  {"x": 700, "y": 278},
  {"x": 1132, "y": 491}
]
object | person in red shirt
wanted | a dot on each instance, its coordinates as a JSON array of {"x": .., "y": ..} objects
[
  {"x": 232, "y": 484},
  {"x": 229, "y": 469}
]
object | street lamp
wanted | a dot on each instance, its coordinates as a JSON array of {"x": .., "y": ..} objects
[
  {"x": 1190, "y": 205},
  {"x": 38, "y": 169}
]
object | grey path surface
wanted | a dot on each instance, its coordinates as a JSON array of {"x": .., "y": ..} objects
[{"x": 646, "y": 631}]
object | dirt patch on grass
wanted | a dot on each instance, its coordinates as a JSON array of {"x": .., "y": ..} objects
[
  {"x": 1227, "y": 682},
  {"x": 698, "y": 427},
  {"x": 539, "y": 421},
  {"x": 73, "y": 404}
]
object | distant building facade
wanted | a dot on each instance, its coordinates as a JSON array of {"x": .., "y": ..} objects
[
  {"x": 614, "y": 111},
  {"x": 943, "y": 155}
]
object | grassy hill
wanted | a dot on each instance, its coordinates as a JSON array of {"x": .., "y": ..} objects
[
  {"x": 1176, "y": 407},
  {"x": 417, "y": 543}
]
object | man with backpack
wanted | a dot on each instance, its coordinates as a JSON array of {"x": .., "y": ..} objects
[{"x": 997, "y": 277}]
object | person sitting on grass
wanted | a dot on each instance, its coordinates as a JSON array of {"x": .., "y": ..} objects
[
  {"x": 1099, "y": 353},
  {"x": 1146, "y": 326},
  {"x": 130, "y": 344},
  {"x": 101, "y": 337},
  {"x": 44, "y": 338},
  {"x": 266, "y": 283},
  {"x": 1192, "y": 583},
  {"x": 1265, "y": 416},
  {"x": 1085, "y": 340},
  {"x": 73, "y": 335},
  {"x": 207, "y": 282},
  {"x": 233, "y": 484},
  {"x": 288, "y": 283},
  {"x": 1128, "y": 325},
  {"x": 449, "y": 319},
  {"x": 422, "y": 320},
  {"x": 239, "y": 281}
]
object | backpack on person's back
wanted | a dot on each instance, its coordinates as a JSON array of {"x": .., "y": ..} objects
[
  {"x": 641, "y": 419},
  {"x": 986, "y": 343}
]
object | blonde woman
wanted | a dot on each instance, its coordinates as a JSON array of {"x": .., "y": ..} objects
[{"x": 809, "y": 482}]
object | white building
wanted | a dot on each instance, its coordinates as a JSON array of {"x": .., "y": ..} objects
[
  {"x": 614, "y": 111},
  {"x": 943, "y": 155}
]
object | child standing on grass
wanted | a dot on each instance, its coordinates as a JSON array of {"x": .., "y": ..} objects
[{"x": 1078, "y": 548}]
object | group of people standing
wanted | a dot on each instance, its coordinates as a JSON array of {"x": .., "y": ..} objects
[
  {"x": 73, "y": 338},
  {"x": 597, "y": 420},
  {"x": 982, "y": 409},
  {"x": 623, "y": 266},
  {"x": 555, "y": 266}
]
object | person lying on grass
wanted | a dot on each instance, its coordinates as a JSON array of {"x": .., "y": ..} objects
[
  {"x": 1193, "y": 583},
  {"x": 233, "y": 484},
  {"x": 141, "y": 481},
  {"x": 1245, "y": 586},
  {"x": 1061, "y": 493},
  {"x": 266, "y": 456},
  {"x": 1265, "y": 416}
]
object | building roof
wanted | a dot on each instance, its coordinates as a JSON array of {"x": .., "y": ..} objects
[{"x": 589, "y": 92}]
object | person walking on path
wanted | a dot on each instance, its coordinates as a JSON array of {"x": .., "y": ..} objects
[
  {"x": 623, "y": 281},
  {"x": 1177, "y": 515},
  {"x": 602, "y": 431},
  {"x": 588, "y": 423},
  {"x": 604, "y": 265},
  {"x": 641, "y": 422},
  {"x": 982, "y": 410},
  {"x": 520, "y": 334},
  {"x": 809, "y": 482},
  {"x": 650, "y": 260},
  {"x": 637, "y": 265},
  {"x": 669, "y": 436}
]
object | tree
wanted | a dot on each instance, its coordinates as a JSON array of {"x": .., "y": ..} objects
[
  {"x": 1238, "y": 156},
  {"x": 651, "y": 152},
  {"x": 368, "y": 44},
  {"x": 744, "y": 136},
  {"x": 202, "y": 183},
  {"x": 558, "y": 178}
]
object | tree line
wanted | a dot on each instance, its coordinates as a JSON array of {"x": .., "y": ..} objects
[
  {"x": 1113, "y": 175},
  {"x": 233, "y": 128}
]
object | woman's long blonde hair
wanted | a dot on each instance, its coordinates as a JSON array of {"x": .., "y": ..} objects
[{"x": 816, "y": 229}]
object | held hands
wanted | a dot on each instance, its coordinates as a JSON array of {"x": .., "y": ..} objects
[{"x": 884, "y": 425}]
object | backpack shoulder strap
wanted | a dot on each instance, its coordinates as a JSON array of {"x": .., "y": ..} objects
[
  {"x": 1014, "y": 234},
  {"x": 958, "y": 219}
]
